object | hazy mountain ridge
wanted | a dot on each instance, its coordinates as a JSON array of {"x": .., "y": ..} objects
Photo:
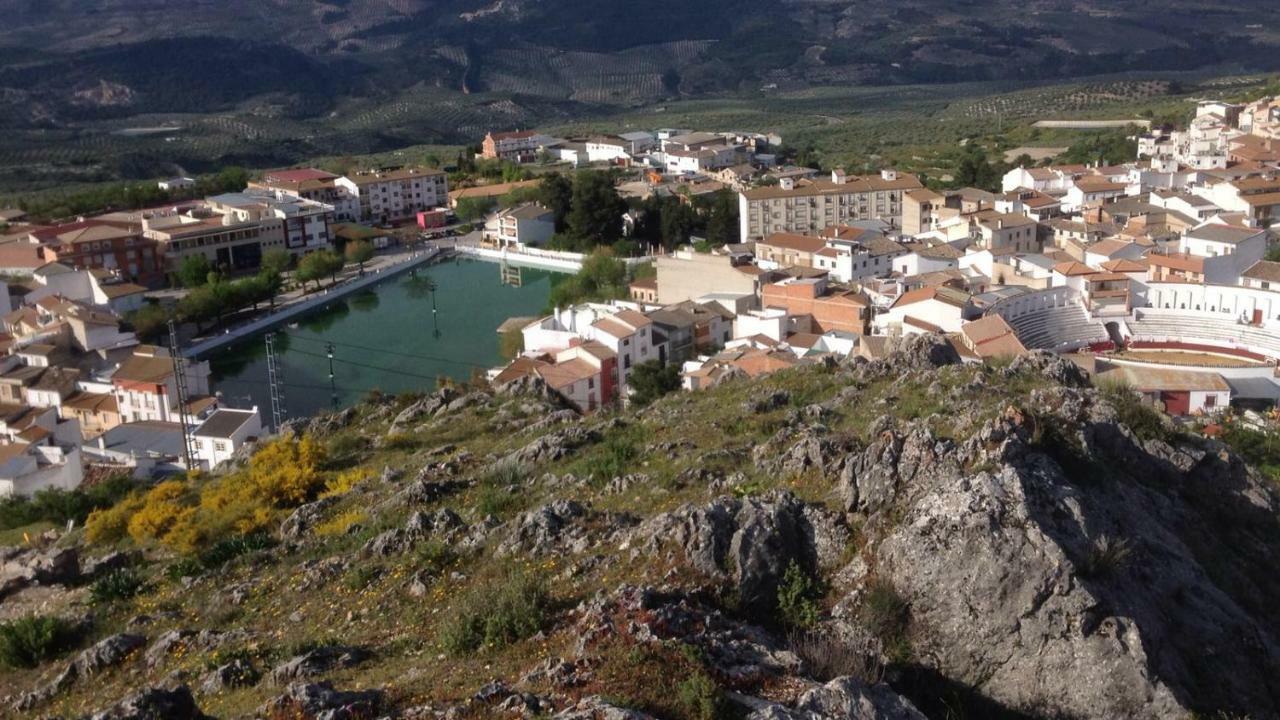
[{"x": 600, "y": 52}]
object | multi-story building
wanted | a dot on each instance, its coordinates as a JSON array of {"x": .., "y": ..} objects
[
  {"x": 812, "y": 205},
  {"x": 310, "y": 184},
  {"x": 519, "y": 147},
  {"x": 304, "y": 225},
  {"x": 100, "y": 244},
  {"x": 226, "y": 240},
  {"x": 145, "y": 387},
  {"x": 386, "y": 195}
]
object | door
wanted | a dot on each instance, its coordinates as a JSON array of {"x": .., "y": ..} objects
[
  {"x": 1257, "y": 317},
  {"x": 1176, "y": 403}
]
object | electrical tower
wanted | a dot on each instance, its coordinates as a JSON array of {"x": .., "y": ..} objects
[
  {"x": 184, "y": 399},
  {"x": 275, "y": 379}
]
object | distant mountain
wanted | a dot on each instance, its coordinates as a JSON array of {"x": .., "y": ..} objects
[{"x": 64, "y": 61}]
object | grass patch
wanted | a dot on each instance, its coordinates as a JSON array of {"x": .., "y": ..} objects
[
  {"x": 29, "y": 641},
  {"x": 495, "y": 615},
  {"x": 1107, "y": 556},
  {"x": 495, "y": 488},
  {"x": 886, "y": 614},
  {"x": 827, "y": 657},
  {"x": 666, "y": 680},
  {"x": 341, "y": 523},
  {"x": 224, "y": 551}
]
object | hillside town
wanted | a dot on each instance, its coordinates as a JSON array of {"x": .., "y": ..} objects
[
  {"x": 83, "y": 396},
  {"x": 1160, "y": 272}
]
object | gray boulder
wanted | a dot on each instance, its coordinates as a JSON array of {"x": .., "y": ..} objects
[
  {"x": 749, "y": 542},
  {"x": 320, "y": 701},
  {"x": 305, "y": 517},
  {"x": 155, "y": 704},
  {"x": 106, "y": 653},
  {"x": 843, "y": 699},
  {"x": 315, "y": 662}
]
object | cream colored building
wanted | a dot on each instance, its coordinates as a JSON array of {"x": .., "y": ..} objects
[{"x": 808, "y": 206}]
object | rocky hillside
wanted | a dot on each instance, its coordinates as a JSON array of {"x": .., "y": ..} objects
[{"x": 903, "y": 539}]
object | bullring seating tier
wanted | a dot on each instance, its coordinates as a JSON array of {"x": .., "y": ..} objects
[
  {"x": 1204, "y": 329},
  {"x": 1066, "y": 327}
]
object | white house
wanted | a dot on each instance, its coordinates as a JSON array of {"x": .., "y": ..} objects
[
  {"x": 927, "y": 309},
  {"x": 524, "y": 225},
  {"x": 28, "y": 468},
  {"x": 1228, "y": 250},
  {"x": 223, "y": 433}
]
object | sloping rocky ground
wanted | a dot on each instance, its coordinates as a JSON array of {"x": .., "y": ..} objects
[{"x": 902, "y": 539}]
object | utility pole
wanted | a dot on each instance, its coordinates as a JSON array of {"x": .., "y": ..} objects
[
  {"x": 435, "y": 313},
  {"x": 180, "y": 384},
  {"x": 275, "y": 379},
  {"x": 333, "y": 385}
]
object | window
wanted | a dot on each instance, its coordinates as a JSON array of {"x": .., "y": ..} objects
[
  {"x": 1210, "y": 400},
  {"x": 219, "y": 445}
]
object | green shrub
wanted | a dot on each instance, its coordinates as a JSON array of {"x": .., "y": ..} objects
[
  {"x": 57, "y": 506},
  {"x": 493, "y": 489},
  {"x": 701, "y": 698},
  {"x": 1106, "y": 557},
  {"x": 1144, "y": 421},
  {"x": 619, "y": 454},
  {"x": 184, "y": 567},
  {"x": 224, "y": 551},
  {"x": 886, "y": 614},
  {"x": 495, "y": 615},
  {"x": 798, "y": 596},
  {"x": 120, "y": 584},
  {"x": 29, "y": 641}
]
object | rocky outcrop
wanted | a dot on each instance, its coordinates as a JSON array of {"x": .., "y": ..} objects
[
  {"x": 320, "y": 701},
  {"x": 305, "y": 517},
  {"x": 319, "y": 661},
  {"x": 154, "y": 704},
  {"x": 20, "y": 568},
  {"x": 1086, "y": 595},
  {"x": 107, "y": 653},
  {"x": 553, "y": 446},
  {"x": 561, "y": 527},
  {"x": 750, "y": 542},
  {"x": 843, "y": 699}
]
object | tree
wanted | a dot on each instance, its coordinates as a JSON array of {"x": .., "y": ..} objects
[
  {"x": 651, "y": 380},
  {"x": 276, "y": 260},
  {"x": 470, "y": 209},
  {"x": 319, "y": 264},
  {"x": 359, "y": 252},
  {"x": 149, "y": 321},
  {"x": 602, "y": 277},
  {"x": 556, "y": 192},
  {"x": 1273, "y": 253},
  {"x": 194, "y": 271},
  {"x": 596, "y": 214}
]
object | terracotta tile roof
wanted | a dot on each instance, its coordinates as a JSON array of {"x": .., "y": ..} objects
[
  {"x": 1073, "y": 269},
  {"x": 562, "y": 375},
  {"x": 792, "y": 241},
  {"x": 1265, "y": 270},
  {"x": 941, "y": 293},
  {"x": 1124, "y": 265}
]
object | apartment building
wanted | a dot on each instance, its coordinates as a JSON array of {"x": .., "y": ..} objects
[
  {"x": 808, "y": 206},
  {"x": 517, "y": 147},
  {"x": 310, "y": 184},
  {"x": 99, "y": 244},
  {"x": 226, "y": 240},
  {"x": 303, "y": 225},
  {"x": 386, "y": 195},
  {"x": 145, "y": 388}
]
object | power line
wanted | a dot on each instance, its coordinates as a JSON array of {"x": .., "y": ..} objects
[
  {"x": 384, "y": 351},
  {"x": 366, "y": 366}
]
